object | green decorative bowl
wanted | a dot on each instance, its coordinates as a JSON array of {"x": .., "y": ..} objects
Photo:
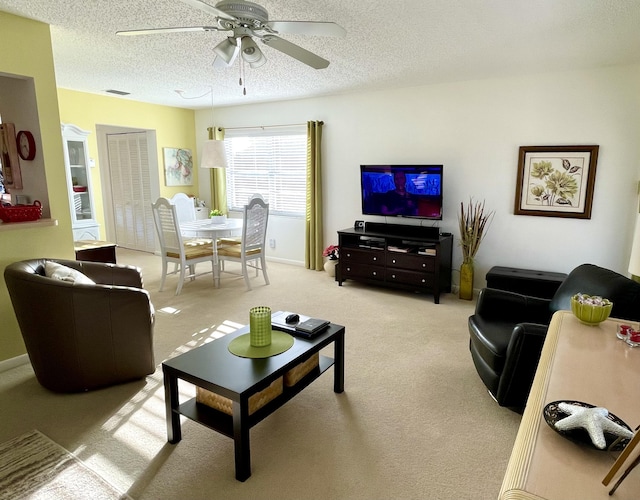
[{"x": 590, "y": 310}]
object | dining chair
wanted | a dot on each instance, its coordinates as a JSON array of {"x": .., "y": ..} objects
[
  {"x": 175, "y": 248},
  {"x": 185, "y": 209},
  {"x": 249, "y": 250}
]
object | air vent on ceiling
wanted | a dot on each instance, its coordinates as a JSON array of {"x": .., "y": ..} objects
[{"x": 118, "y": 92}]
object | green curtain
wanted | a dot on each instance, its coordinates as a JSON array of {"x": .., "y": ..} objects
[
  {"x": 218, "y": 176},
  {"x": 314, "y": 226}
]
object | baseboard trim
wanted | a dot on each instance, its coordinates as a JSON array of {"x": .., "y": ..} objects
[
  {"x": 285, "y": 261},
  {"x": 8, "y": 364}
]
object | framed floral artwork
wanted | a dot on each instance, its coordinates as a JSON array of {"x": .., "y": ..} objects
[
  {"x": 178, "y": 167},
  {"x": 556, "y": 181}
]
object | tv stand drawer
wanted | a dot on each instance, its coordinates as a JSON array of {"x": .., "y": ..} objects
[
  {"x": 363, "y": 271},
  {"x": 411, "y": 261},
  {"x": 355, "y": 255},
  {"x": 411, "y": 278}
]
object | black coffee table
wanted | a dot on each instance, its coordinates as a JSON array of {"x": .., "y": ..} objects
[{"x": 214, "y": 368}]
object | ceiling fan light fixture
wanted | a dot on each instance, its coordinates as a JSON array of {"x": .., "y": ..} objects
[
  {"x": 258, "y": 63},
  {"x": 226, "y": 50},
  {"x": 251, "y": 53}
]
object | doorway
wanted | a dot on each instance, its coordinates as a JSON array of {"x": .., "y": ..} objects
[{"x": 130, "y": 184}]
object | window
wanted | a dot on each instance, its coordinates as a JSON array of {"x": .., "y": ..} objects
[{"x": 271, "y": 162}]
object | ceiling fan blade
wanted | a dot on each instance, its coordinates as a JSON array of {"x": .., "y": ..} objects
[
  {"x": 205, "y": 7},
  {"x": 153, "y": 31},
  {"x": 307, "y": 28},
  {"x": 295, "y": 51}
]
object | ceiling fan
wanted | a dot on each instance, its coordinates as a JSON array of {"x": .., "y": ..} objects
[{"x": 246, "y": 20}]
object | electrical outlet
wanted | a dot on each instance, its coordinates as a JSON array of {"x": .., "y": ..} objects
[{"x": 272, "y": 243}]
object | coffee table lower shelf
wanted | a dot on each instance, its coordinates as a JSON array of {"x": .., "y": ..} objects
[{"x": 223, "y": 422}]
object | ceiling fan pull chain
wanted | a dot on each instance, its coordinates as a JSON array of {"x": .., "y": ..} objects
[{"x": 243, "y": 78}]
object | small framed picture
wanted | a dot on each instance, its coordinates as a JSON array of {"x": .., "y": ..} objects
[
  {"x": 178, "y": 167},
  {"x": 556, "y": 181}
]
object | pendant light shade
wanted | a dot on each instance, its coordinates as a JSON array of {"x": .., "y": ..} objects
[{"x": 213, "y": 155}]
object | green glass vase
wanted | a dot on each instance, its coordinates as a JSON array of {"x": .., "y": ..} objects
[
  {"x": 260, "y": 326},
  {"x": 466, "y": 281}
]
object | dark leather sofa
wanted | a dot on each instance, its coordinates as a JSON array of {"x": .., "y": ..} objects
[
  {"x": 508, "y": 329},
  {"x": 81, "y": 337}
]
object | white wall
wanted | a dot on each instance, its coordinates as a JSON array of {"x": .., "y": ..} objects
[{"x": 475, "y": 129}]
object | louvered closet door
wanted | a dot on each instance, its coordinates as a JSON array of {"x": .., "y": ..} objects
[{"x": 131, "y": 191}]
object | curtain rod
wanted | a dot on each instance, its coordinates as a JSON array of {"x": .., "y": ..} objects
[{"x": 262, "y": 127}]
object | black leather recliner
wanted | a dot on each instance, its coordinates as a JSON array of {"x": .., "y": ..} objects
[{"x": 508, "y": 329}]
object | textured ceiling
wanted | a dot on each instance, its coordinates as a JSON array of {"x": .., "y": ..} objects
[{"x": 403, "y": 43}]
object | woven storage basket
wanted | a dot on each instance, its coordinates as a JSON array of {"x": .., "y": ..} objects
[
  {"x": 293, "y": 376},
  {"x": 257, "y": 401},
  {"x": 21, "y": 213}
]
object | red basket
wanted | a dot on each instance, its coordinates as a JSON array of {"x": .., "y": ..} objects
[{"x": 21, "y": 213}]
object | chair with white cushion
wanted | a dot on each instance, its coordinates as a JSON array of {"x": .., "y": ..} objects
[
  {"x": 249, "y": 250},
  {"x": 184, "y": 252}
]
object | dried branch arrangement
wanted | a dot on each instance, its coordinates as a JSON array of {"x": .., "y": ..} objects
[{"x": 473, "y": 227}]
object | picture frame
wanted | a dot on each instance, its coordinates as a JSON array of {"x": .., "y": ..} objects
[
  {"x": 12, "y": 176},
  {"x": 178, "y": 166},
  {"x": 556, "y": 181}
]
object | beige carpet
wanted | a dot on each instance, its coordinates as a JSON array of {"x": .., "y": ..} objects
[{"x": 414, "y": 422}]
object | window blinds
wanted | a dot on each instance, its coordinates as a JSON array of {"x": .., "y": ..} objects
[{"x": 271, "y": 162}]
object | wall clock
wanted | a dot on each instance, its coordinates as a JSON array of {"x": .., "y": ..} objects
[{"x": 26, "y": 145}]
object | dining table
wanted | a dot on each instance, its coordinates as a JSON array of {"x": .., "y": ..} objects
[{"x": 206, "y": 228}]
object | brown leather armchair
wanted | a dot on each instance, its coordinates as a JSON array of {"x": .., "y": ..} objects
[{"x": 81, "y": 337}]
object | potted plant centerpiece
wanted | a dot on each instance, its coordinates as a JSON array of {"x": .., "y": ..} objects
[
  {"x": 332, "y": 252},
  {"x": 473, "y": 225},
  {"x": 217, "y": 217}
]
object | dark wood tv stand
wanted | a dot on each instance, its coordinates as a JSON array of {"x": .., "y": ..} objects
[{"x": 413, "y": 258}]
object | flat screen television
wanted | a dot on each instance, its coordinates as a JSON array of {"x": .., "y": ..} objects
[{"x": 402, "y": 190}]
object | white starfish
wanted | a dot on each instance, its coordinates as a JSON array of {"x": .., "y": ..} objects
[{"x": 593, "y": 420}]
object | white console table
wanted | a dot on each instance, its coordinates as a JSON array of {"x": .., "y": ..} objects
[{"x": 580, "y": 363}]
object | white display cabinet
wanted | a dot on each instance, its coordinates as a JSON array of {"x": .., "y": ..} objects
[{"x": 77, "y": 166}]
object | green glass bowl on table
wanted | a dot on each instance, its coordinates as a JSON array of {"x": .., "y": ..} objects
[{"x": 590, "y": 310}]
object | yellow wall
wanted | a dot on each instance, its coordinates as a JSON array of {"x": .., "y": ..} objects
[
  {"x": 175, "y": 128},
  {"x": 31, "y": 56}
]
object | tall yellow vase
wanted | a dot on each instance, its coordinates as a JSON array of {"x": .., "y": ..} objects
[{"x": 466, "y": 281}]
